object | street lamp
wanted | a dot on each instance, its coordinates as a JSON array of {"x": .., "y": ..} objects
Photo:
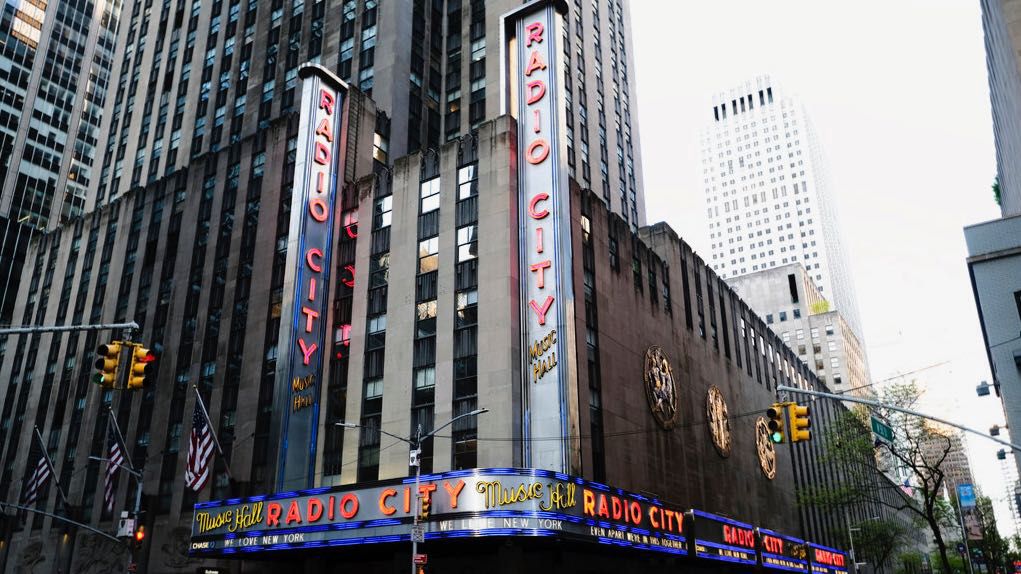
[
  {"x": 416, "y": 461},
  {"x": 850, "y": 536}
]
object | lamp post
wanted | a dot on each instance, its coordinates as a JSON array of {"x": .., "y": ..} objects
[
  {"x": 415, "y": 460},
  {"x": 850, "y": 536}
]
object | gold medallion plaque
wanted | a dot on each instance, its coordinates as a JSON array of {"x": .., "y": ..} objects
[{"x": 718, "y": 420}]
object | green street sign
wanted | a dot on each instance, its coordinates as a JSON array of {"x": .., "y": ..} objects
[{"x": 882, "y": 430}]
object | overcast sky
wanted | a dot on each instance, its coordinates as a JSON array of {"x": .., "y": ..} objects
[{"x": 898, "y": 93}]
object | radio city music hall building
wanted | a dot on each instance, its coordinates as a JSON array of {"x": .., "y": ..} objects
[{"x": 625, "y": 383}]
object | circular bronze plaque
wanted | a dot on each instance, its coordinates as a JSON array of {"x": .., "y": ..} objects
[
  {"x": 767, "y": 452},
  {"x": 718, "y": 420},
  {"x": 660, "y": 388}
]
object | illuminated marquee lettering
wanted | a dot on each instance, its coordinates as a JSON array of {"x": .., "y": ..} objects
[
  {"x": 544, "y": 211},
  {"x": 739, "y": 536},
  {"x": 772, "y": 544},
  {"x": 304, "y": 329}
]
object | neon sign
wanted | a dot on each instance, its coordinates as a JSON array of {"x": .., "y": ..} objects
[
  {"x": 531, "y": 59},
  {"x": 304, "y": 329},
  {"x": 720, "y": 538}
]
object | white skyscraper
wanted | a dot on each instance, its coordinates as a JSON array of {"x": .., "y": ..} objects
[{"x": 766, "y": 193}]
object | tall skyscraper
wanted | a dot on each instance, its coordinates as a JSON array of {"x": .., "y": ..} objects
[
  {"x": 767, "y": 195},
  {"x": 55, "y": 60},
  {"x": 994, "y": 247},
  {"x": 197, "y": 76},
  {"x": 1001, "y": 22}
]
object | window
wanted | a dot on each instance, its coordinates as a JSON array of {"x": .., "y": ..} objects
[
  {"x": 797, "y": 313},
  {"x": 829, "y": 329},
  {"x": 467, "y": 182},
  {"x": 428, "y": 260},
  {"x": 426, "y": 319},
  {"x": 467, "y": 243},
  {"x": 783, "y": 316},
  {"x": 769, "y": 319},
  {"x": 430, "y": 195},
  {"x": 800, "y": 333},
  {"x": 383, "y": 212}
]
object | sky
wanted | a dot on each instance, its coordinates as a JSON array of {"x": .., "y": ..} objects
[{"x": 899, "y": 96}]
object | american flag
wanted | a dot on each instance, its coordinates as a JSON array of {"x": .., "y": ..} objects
[
  {"x": 115, "y": 459},
  {"x": 38, "y": 479},
  {"x": 200, "y": 450}
]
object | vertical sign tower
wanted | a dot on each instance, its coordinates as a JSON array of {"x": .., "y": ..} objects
[
  {"x": 532, "y": 69},
  {"x": 304, "y": 325}
]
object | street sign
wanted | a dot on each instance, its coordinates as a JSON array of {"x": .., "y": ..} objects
[
  {"x": 125, "y": 527},
  {"x": 882, "y": 430},
  {"x": 421, "y": 558},
  {"x": 418, "y": 533}
]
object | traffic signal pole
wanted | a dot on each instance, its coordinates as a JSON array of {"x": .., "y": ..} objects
[
  {"x": 882, "y": 405},
  {"x": 22, "y": 329}
]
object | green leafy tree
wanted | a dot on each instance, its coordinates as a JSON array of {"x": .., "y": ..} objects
[
  {"x": 877, "y": 540},
  {"x": 919, "y": 450},
  {"x": 995, "y": 549}
]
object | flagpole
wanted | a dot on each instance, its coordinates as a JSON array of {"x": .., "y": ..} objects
[
  {"x": 212, "y": 432},
  {"x": 49, "y": 463},
  {"x": 120, "y": 439}
]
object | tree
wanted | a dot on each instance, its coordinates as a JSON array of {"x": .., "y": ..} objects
[
  {"x": 877, "y": 540},
  {"x": 995, "y": 550},
  {"x": 919, "y": 451}
]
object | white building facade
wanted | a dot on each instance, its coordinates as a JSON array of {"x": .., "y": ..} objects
[{"x": 766, "y": 193}]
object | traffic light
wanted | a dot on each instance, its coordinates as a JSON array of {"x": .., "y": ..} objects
[
  {"x": 799, "y": 422},
  {"x": 775, "y": 414},
  {"x": 138, "y": 372},
  {"x": 139, "y": 536},
  {"x": 423, "y": 514},
  {"x": 108, "y": 356}
]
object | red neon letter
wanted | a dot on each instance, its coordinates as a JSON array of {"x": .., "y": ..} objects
[
  {"x": 349, "y": 282},
  {"x": 535, "y": 62},
  {"x": 322, "y": 154},
  {"x": 349, "y": 505},
  {"x": 314, "y": 511},
  {"x": 317, "y": 209},
  {"x": 454, "y": 491},
  {"x": 293, "y": 513},
  {"x": 588, "y": 503},
  {"x": 306, "y": 351},
  {"x": 540, "y": 311},
  {"x": 326, "y": 101},
  {"x": 273, "y": 511},
  {"x": 314, "y": 266},
  {"x": 533, "y": 32},
  {"x": 386, "y": 510},
  {"x": 537, "y": 151},
  {"x": 325, "y": 129},
  {"x": 541, "y": 196},
  {"x": 310, "y": 315},
  {"x": 540, "y": 267},
  {"x": 536, "y": 90}
]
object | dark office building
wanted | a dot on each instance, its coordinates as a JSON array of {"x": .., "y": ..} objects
[
  {"x": 194, "y": 77},
  {"x": 55, "y": 64}
]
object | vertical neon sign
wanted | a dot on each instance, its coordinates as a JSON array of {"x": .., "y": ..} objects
[
  {"x": 532, "y": 73},
  {"x": 304, "y": 325}
]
